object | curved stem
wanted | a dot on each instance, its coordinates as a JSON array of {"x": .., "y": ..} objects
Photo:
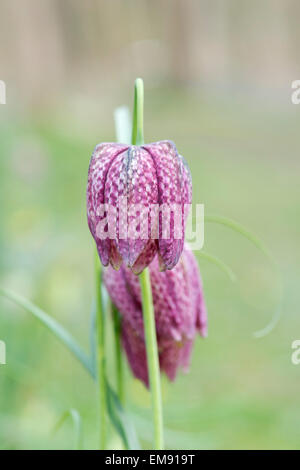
[
  {"x": 213, "y": 259},
  {"x": 237, "y": 227},
  {"x": 146, "y": 291},
  {"x": 101, "y": 382}
]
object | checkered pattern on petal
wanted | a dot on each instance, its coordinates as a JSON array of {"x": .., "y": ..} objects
[
  {"x": 132, "y": 179},
  {"x": 179, "y": 313},
  {"x": 102, "y": 157},
  {"x": 174, "y": 190}
]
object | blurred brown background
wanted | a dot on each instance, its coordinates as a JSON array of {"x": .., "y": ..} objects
[{"x": 52, "y": 47}]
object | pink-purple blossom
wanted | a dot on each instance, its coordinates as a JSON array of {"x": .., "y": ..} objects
[
  {"x": 146, "y": 176},
  {"x": 179, "y": 309}
]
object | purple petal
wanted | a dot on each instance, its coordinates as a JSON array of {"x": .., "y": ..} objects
[
  {"x": 146, "y": 257},
  {"x": 174, "y": 190},
  {"x": 135, "y": 350},
  {"x": 197, "y": 290},
  {"x": 132, "y": 179},
  {"x": 179, "y": 313},
  {"x": 102, "y": 158},
  {"x": 114, "y": 256}
]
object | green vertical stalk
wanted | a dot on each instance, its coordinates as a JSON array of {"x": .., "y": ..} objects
[
  {"x": 101, "y": 382},
  {"x": 118, "y": 353},
  {"x": 152, "y": 358},
  {"x": 138, "y": 113},
  {"x": 123, "y": 135},
  {"x": 146, "y": 291}
]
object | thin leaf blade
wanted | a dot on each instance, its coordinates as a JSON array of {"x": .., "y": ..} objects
[
  {"x": 77, "y": 423},
  {"x": 51, "y": 324}
]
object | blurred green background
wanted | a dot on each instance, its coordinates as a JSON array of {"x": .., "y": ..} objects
[{"x": 218, "y": 82}]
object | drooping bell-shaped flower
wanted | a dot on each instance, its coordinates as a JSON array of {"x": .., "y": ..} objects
[
  {"x": 179, "y": 313},
  {"x": 137, "y": 203}
]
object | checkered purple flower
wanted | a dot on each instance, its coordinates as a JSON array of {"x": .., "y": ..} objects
[
  {"x": 179, "y": 309},
  {"x": 147, "y": 176}
]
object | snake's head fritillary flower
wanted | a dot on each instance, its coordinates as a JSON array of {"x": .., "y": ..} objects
[
  {"x": 138, "y": 183},
  {"x": 179, "y": 313}
]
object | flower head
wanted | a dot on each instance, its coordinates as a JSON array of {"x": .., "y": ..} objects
[
  {"x": 142, "y": 184},
  {"x": 179, "y": 313}
]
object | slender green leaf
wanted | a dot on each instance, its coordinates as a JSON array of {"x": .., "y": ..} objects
[
  {"x": 224, "y": 267},
  {"x": 237, "y": 227},
  {"x": 59, "y": 331},
  {"x": 77, "y": 423},
  {"x": 117, "y": 328},
  {"x": 101, "y": 358},
  {"x": 121, "y": 420},
  {"x": 117, "y": 414},
  {"x": 174, "y": 439},
  {"x": 92, "y": 335}
]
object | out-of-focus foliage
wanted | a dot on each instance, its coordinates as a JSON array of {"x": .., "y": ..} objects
[
  {"x": 222, "y": 104},
  {"x": 241, "y": 392}
]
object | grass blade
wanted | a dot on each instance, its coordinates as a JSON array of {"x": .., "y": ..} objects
[
  {"x": 237, "y": 227},
  {"x": 92, "y": 335},
  {"x": 224, "y": 267},
  {"x": 121, "y": 421},
  {"x": 117, "y": 414},
  {"x": 117, "y": 328},
  {"x": 77, "y": 423},
  {"x": 58, "y": 330}
]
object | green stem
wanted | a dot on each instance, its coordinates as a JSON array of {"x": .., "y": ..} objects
[
  {"x": 152, "y": 358},
  {"x": 147, "y": 302},
  {"x": 138, "y": 113},
  {"x": 118, "y": 353},
  {"x": 123, "y": 135},
  {"x": 101, "y": 382}
]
